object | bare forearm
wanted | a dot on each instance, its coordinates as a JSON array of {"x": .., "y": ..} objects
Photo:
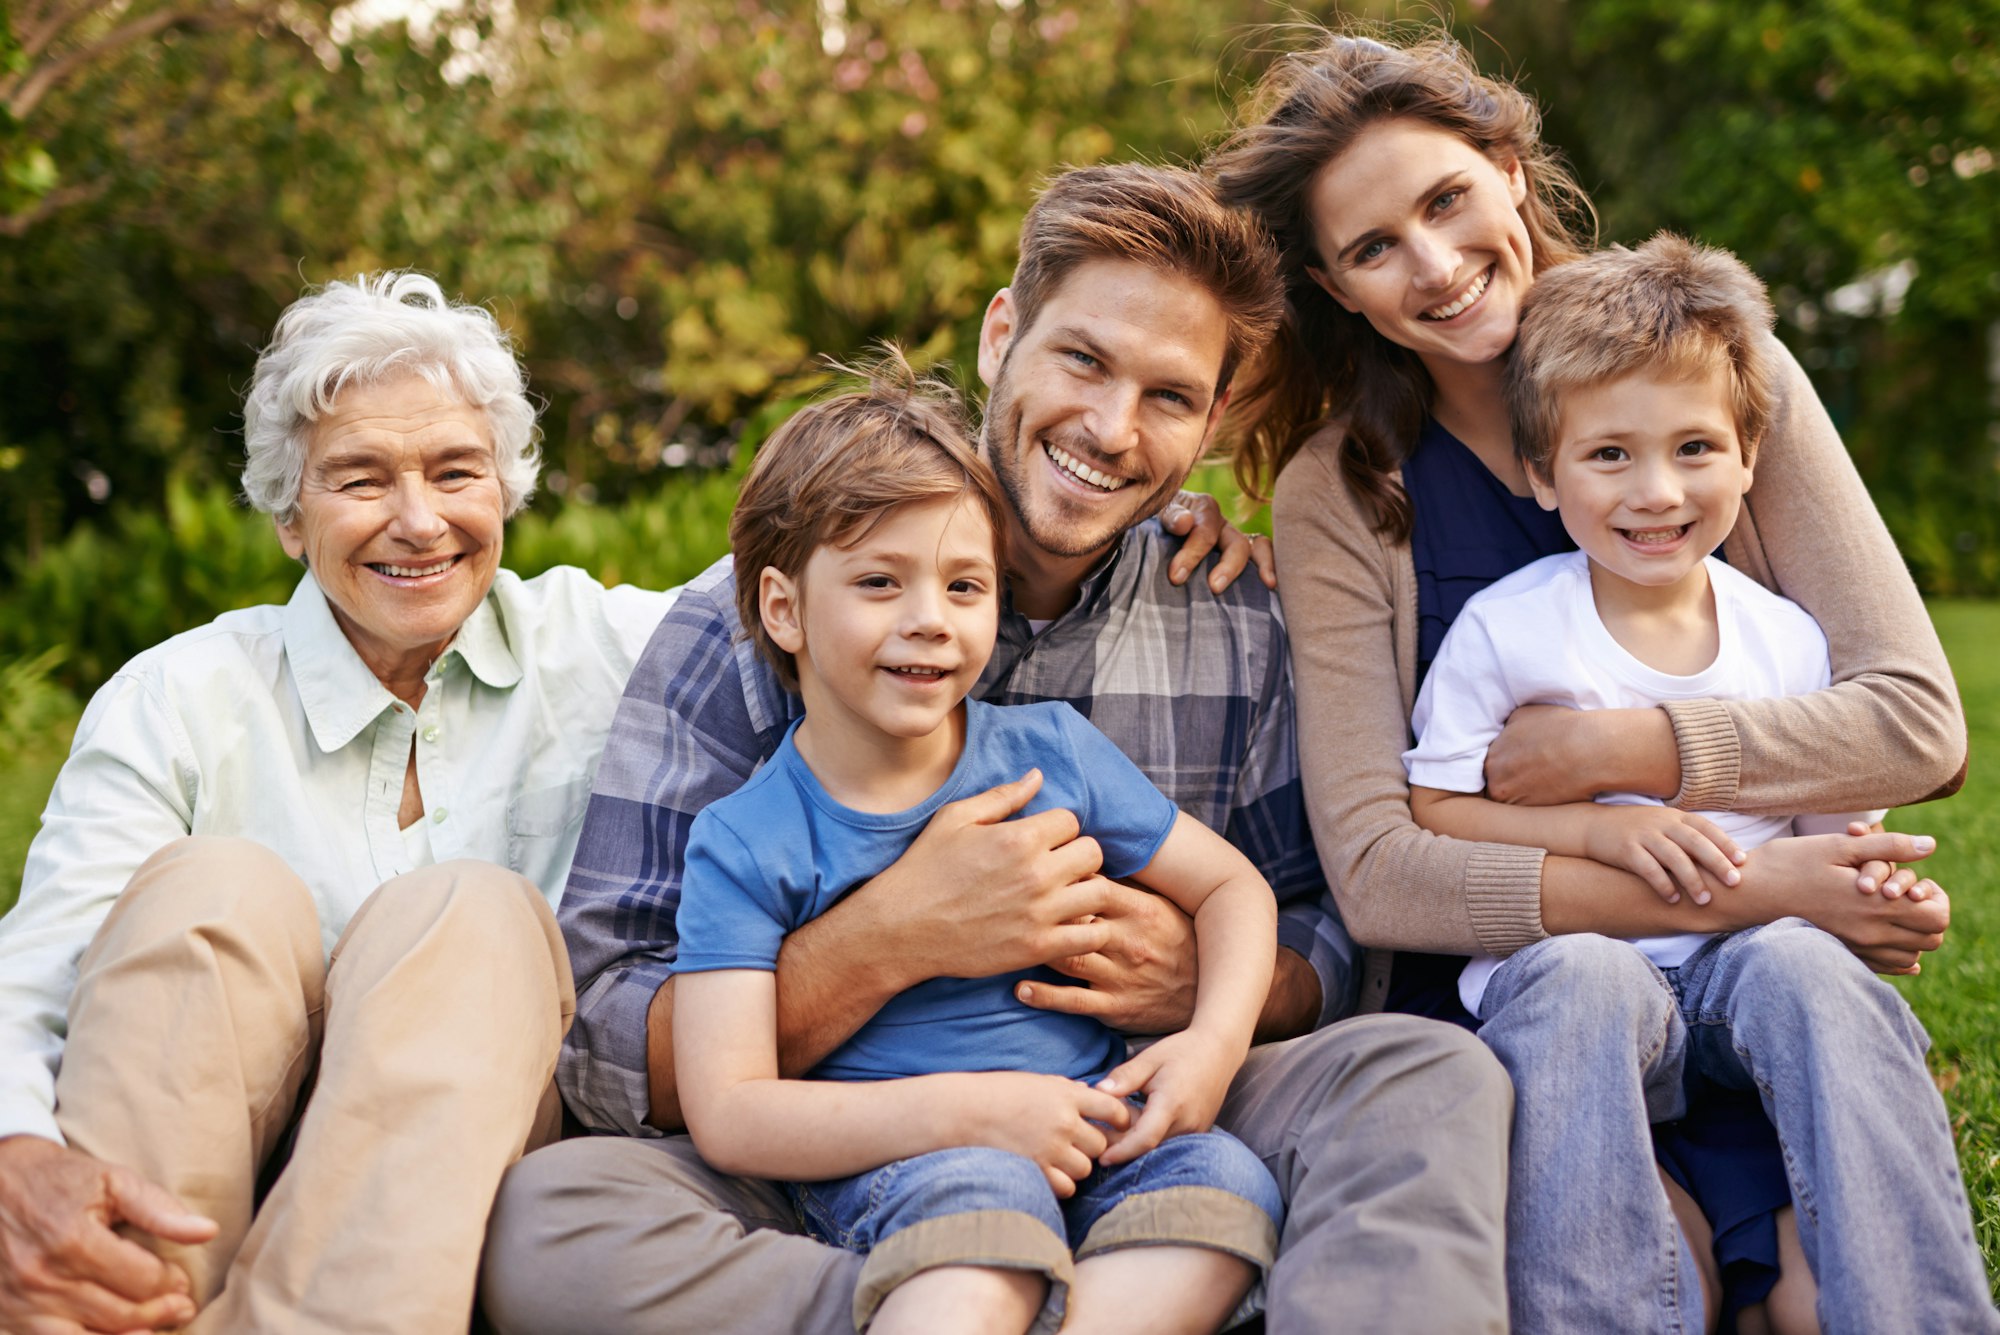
[
  {"x": 1294, "y": 1002},
  {"x": 1236, "y": 927},
  {"x": 833, "y": 975},
  {"x": 1559, "y": 829},
  {"x": 807, "y": 1130}
]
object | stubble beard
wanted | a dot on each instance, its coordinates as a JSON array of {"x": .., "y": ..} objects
[{"x": 1009, "y": 454}]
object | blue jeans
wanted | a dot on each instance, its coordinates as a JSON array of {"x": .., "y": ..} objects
[
  {"x": 1596, "y": 1040},
  {"x": 988, "y": 1207}
]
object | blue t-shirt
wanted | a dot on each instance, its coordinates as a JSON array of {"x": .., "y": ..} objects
[{"x": 780, "y": 851}]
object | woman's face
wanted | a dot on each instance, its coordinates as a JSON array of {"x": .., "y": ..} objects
[
  {"x": 1421, "y": 234},
  {"x": 400, "y": 518}
]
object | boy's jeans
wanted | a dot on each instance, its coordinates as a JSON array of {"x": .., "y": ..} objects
[
  {"x": 979, "y": 1206},
  {"x": 1595, "y": 1038}
]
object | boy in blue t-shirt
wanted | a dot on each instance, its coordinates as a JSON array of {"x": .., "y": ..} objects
[{"x": 985, "y": 1154}]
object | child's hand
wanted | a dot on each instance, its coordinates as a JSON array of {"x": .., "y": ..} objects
[
  {"x": 1184, "y": 1077},
  {"x": 1047, "y": 1118},
  {"x": 1672, "y": 851}
]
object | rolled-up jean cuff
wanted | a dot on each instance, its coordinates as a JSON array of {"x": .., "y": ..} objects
[
  {"x": 994, "y": 1239},
  {"x": 1187, "y": 1217}
]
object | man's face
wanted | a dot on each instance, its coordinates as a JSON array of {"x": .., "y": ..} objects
[{"x": 1102, "y": 405}]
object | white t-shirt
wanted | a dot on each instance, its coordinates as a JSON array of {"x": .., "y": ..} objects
[{"x": 1535, "y": 638}]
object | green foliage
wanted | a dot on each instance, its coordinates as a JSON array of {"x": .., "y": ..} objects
[
  {"x": 37, "y": 717},
  {"x": 1958, "y": 993}
]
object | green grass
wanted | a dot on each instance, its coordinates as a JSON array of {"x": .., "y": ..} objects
[{"x": 1957, "y": 996}]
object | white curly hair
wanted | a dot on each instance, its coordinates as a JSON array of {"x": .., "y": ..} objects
[{"x": 357, "y": 334}]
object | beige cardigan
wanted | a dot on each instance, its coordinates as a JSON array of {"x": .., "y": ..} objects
[{"x": 1888, "y": 732}]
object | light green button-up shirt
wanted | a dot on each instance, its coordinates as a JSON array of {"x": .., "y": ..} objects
[{"x": 266, "y": 724}]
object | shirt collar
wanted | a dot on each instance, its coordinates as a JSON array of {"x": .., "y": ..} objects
[
  {"x": 341, "y": 694},
  {"x": 1091, "y": 590}
]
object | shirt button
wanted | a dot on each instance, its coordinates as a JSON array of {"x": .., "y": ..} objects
[
  {"x": 437, "y": 817},
  {"x": 431, "y": 733}
]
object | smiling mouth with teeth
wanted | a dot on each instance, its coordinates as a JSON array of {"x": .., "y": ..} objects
[
  {"x": 1473, "y": 292},
  {"x": 1080, "y": 470},
  {"x": 412, "y": 572},
  {"x": 919, "y": 673},
  {"x": 1660, "y": 536}
]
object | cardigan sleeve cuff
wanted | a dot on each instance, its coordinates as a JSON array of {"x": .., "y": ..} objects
[
  {"x": 1503, "y": 894},
  {"x": 1711, "y": 755}
]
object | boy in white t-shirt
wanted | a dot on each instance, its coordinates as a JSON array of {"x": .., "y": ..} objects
[{"x": 1644, "y": 445}]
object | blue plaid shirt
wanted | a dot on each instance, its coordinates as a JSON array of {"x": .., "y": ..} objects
[{"x": 1195, "y": 687}]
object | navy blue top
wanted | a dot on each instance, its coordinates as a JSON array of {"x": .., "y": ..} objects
[{"x": 1468, "y": 532}]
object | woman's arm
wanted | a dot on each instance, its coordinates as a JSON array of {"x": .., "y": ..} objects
[
  {"x": 1889, "y": 731},
  {"x": 746, "y": 1120}
]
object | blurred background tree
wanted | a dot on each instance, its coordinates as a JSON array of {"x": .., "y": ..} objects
[{"x": 675, "y": 207}]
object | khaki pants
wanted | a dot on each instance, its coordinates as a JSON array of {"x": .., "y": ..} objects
[
  {"x": 1387, "y": 1134},
  {"x": 204, "y": 1016}
]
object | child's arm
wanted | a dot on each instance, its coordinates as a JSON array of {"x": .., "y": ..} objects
[
  {"x": 746, "y": 1120},
  {"x": 1671, "y": 850},
  {"x": 1185, "y": 1075}
]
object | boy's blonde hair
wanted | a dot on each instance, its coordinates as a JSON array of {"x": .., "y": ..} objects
[
  {"x": 837, "y": 466},
  {"x": 1670, "y": 307}
]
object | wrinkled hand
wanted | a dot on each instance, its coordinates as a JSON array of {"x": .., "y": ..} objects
[
  {"x": 1198, "y": 517},
  {"x": 1184, "y": 1077},
  {"x": 1141, "y": 980},
  {"x": 1059, "y": 1123},
  {"x": 977, "y": 894},
  {"x": 1813, "y": 876},
  {"x": 63, "y": 1270},
  {"x": 1675, "y": 852}
]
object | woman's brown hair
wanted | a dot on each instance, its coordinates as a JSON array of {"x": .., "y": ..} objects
[{"x": 1326, "y": 363}]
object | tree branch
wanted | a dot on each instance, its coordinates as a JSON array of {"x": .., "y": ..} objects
[
  {"x": 38, "y": 84},
  {"x": 16, "y": 225}
]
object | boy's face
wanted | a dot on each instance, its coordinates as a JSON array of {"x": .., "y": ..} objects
[
  {"x": 1648, "y": 473},
  {"x": 890, "y": 633}
]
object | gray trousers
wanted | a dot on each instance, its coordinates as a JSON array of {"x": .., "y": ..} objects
[{"x": 1388, "y": 1135}]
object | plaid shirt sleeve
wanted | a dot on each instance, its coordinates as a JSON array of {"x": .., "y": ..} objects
[
  {"x": 1267, "y": 821},
  {"x": 699, "y": 714}
]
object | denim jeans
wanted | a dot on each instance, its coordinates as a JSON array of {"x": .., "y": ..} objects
[
  {"x": 989, "y": 1207},
  {"x": 1596, "y": 1039}
]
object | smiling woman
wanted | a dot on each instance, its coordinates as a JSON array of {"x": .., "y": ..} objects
[{"x": 290, "y": 904}]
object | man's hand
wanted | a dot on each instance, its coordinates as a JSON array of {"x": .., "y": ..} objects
[
  {"x": 1141, "y": 980},
  {"x": 1197, "y": 517},
  {"x": 1185, "y": 1077},
  {"x": 1675, "y": 852},
  {"x": 1813, "y": 877},
  {"x": 1057, "y": 1122},
  {"x": 63, "y": 1270},
  {"x": 978, "y": 894}
]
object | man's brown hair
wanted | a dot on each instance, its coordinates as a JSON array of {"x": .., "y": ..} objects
[
  {"x": 1671, "y": 308},
  {"x": 1166, "y": 218},
  {"x": 836, "y": 467}
]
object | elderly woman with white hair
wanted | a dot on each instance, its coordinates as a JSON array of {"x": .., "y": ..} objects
[{"x": 290, "y": 903}]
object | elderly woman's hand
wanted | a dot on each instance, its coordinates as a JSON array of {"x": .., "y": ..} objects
[{"x": 63, "y": 1267}]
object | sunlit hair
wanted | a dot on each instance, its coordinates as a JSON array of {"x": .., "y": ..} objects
[
  {"x": 1671, "y": 309},
  {"x": 1166, "y": 218},
  {"x": 836, "y": 467},
  {"x": 361, "y": 333},
  {"x": 1327, "y": 363}
]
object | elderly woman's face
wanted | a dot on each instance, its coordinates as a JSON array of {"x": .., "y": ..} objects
[{"x": 400, "y": 518}]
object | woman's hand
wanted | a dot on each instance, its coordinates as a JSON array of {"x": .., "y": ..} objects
[
  {"x": 1813, "y": 877},
  {"x": 1197, "y": 517},
  {"x": 1184, "y": 1077},
  {"x": 1548, "y": 755}
]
